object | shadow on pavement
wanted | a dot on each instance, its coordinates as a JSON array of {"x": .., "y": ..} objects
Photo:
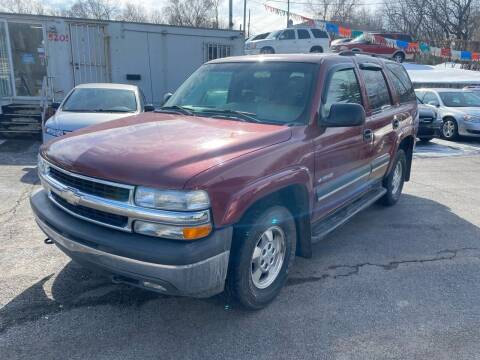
[{"x": 76, "y": 287}]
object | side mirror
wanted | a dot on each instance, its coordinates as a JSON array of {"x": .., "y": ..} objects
[
  {"x": 167, "y": 96},
  {"x": 345, "y": 115},
  {"x": 55, "y": 105},
  {"x": 148, "y": 108}
]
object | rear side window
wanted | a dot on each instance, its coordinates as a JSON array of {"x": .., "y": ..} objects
[
  {"x": 287, "y": 35},
  {"x": 303, "y": 34},
  {"x": 401, "y": 82},
  {"x": 343, "y": 88},
  {"x": 319, "y": 34},
  {"x": 377, "y": 88}
]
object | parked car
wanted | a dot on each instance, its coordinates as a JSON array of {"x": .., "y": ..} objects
[
  {"x": 90, "y": 104},
  {"x": 250, "y": 162},
  {"x": 459, "y": 110},
  {"x": 430, "y": 124},
  {"x": 291, "y": 40},
  {"x": 363, "y": 44}
]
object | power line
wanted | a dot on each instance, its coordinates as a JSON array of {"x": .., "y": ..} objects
[{"x": 315, "y": 3}]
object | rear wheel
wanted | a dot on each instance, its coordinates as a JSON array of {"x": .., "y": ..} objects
[
  {"x": 263, "y": 250},
  {"x": 450, "y": 129},
  {"x": 399, "y": 57},
  {"x": 316, "y": 49},
  {"x": 395, "y": 180}
]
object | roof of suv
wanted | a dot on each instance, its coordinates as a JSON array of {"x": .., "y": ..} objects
[{"x": 305, "y": 58}]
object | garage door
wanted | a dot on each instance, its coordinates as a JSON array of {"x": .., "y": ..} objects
[{"x": 89, "y": 53}]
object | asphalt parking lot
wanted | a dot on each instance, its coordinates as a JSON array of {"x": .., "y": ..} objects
[{"x": 396, "y": 283}]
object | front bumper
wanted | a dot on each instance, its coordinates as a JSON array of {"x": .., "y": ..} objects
[
  {"x": 429, "y": 129},
  {"x": 191, "y": 268}
]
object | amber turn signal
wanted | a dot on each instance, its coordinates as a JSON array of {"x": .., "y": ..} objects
[{"x": 197, "y": 232}]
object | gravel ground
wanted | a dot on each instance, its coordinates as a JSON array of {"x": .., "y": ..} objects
[{"x": 396, "y": 283}]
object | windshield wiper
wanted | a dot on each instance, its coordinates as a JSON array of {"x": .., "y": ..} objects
[
  {"x": 175, "y": 109},
  {"x": 242, "y": 115},
  {"x": 112, "y": 110}
]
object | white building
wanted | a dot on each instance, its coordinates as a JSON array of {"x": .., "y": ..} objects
[{"x": 43, "y": 57}]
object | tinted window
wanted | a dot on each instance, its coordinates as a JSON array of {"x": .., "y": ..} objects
[
  {"x": 100, "y": 100},
  {"x": 287, "y": 35},
  {"x": 460, "y": 99},
  {"x": 303, "y": 34},
  {"x": 343, "y": 88},
  {"x": 319, "y": 34},
  {"x": 377, "y": 89},
  {"x": 272, "y": 92},
  {"x": 261, "y": 36},
  {"x": 401, "y": 82},
  {"x": 430, "y": 98}
]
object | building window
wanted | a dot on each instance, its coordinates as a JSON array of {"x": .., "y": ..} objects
[{"x": 217, "y": 51}]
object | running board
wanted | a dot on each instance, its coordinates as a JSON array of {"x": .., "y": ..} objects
[{"x": 340, "y": 217}]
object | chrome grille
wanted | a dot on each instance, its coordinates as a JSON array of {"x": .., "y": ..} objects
[{"x": 91, "y": 187}]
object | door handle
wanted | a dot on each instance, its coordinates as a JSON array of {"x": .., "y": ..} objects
[{"x": 368, "y": 135}]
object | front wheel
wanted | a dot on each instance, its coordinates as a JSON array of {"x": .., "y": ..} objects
[
  {"x": 263, "y": 250},
  {"x": 450, "y": 129},
  {"x": 395, "y": 180},
  {"x": 399, "y": 57},
  {"x": 267, "y": 50}
]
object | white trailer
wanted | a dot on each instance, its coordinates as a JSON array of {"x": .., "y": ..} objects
[{"x": 43, "y": 57}]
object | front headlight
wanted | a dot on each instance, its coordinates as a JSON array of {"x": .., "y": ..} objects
[
  {"x": 42, "y": 166},
  {"x": 468, "y": 117},
  {"x": 53, "y": 131},
  {"x": 172, "y": 199}
]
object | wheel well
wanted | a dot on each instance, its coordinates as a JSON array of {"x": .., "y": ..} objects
[
  {"x": 407, "y": 146},
  {"x": 296, "y": 199},
  {"x": 267, "y": 47},
  {"x": 449, "y": 117},
  {"x": 316, "y": 47}
]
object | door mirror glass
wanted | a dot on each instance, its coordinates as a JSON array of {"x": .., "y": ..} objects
[
  {"x": 345, "y": 115},
  {"x": 166, "y": 97}
]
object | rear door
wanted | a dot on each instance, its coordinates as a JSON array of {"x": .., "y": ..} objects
[
  {"x": 341, "y": 154},
  {"x": 287, "y": 42},
  {"x": 382, "y": 118},
  {"x": 304, "y": 42}
]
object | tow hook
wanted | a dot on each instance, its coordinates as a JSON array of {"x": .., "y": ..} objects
[{"x": 48, "y": 241}]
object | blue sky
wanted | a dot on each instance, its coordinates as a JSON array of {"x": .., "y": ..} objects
[{"x": 261, "y": 20}]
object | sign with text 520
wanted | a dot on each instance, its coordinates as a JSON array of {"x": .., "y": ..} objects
[{"x": 58, "y": 37}]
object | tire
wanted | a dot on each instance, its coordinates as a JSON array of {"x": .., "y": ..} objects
[
  {"x": 450, "y": 129},
  {"x": 392, "y": 182},
  {"x": 250, "y": 240},
  {"x": 425, "y": 139},
  {"x": 316, "y": 49},
  {"x": 399, "y": 57},
  {"x": 267, "y": 50}
]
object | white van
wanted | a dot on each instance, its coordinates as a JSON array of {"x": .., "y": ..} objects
[{"x": 291, "y": 40}]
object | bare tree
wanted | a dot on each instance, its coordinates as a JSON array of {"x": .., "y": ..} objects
[
  {"x": 94, "y": 9},
  {"x": 23, "y": 7},
  {"x": 333, "y": 10},
  {"x": 134, "y": 13},
  {"x": 190, "y": 12}
]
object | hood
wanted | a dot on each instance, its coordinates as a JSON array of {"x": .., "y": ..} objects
[
  {"x": 474, "y": 111},
  {"x": 71, "y": 121},
  {"x": 159, "y": 150}
]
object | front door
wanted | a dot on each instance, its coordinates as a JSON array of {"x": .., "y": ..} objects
[
  {"x": 287, "y": 42},
  {"x": 341, "y": 154},
  {"x": 28, "y": 57}
]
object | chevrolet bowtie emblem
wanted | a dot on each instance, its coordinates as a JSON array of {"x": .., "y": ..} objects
[{"x": 71, "y": 196}]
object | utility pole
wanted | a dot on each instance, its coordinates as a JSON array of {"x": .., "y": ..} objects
[
  {"x": 244, "y": 17},
  {"x": 288, "y": 12},
  {"x": 248, "y": 32},
  {"x": 230, "y": 15}
]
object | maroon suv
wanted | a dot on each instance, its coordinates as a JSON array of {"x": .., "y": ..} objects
[{"x": 251, "y": 161}]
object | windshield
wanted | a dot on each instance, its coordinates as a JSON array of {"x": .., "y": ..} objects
[
  {"x": 101, "y": 100},
  {"x": 460, "y": 99},
  {"x": 269, "y": 92},
  {"x": 274, "y": 35},
  {"x": 359, "y": 39}
]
